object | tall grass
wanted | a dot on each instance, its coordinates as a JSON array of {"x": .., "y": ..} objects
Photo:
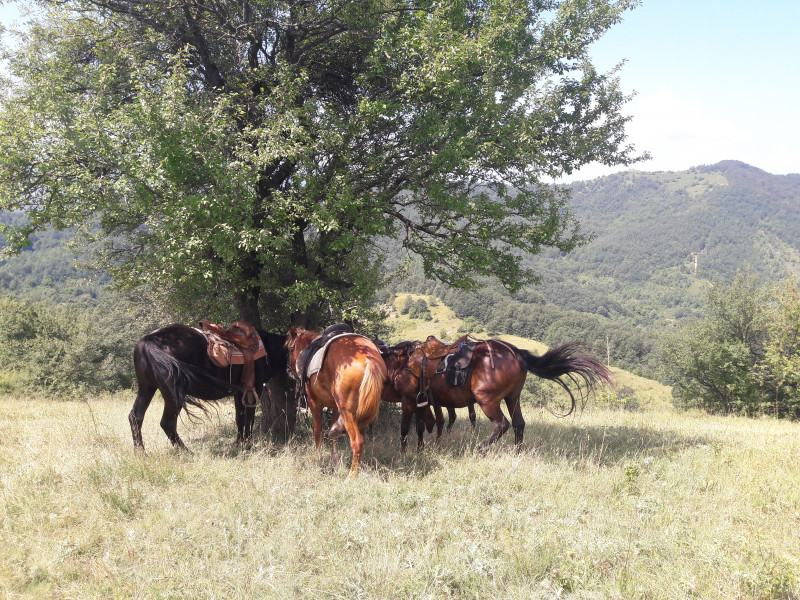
[{"x": 604, "y": 504}]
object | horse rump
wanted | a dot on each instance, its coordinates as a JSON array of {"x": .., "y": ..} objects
[{"x": 156, "y": 366}]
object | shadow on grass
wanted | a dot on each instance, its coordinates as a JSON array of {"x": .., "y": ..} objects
[
  {"x": 557, "y": 442},
  {"x": 565, "y": 440}
]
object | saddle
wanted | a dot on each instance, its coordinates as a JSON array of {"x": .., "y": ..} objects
[
  {"x": 434, "y": 357},
  {"x": 432, "y": 349},
  {"x": 239, "y": 344}
]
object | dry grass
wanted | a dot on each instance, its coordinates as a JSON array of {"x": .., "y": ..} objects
[{"x": 605, "y": 504}]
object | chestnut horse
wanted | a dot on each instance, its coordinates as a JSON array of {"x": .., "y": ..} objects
[
  {"x": 499, "y": 370},
  {"x": 350, "y": 382}
]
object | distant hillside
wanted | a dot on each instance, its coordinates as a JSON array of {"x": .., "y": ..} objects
[
  {"x": 659, "y": 240},
  {"x": 659, "y": 237},
  {"x": 48, "y": 269}
]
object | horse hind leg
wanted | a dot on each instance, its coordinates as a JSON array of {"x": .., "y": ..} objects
[
  {"x": 334, "y": 433},
  {"x": 499, "y": 422},
  {"x": 347, "y": 423},
  {"x": 169, "y": 421},
  {"x": 136, "y": 417},
  {"x": 517, "y": 420}
]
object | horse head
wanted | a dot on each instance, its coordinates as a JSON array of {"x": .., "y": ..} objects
[
  {"x": 396, "y": 357},
  {"x": 297, "y": 340}
]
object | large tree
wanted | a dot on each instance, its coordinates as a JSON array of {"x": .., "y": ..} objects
[{"x": 255, "y": 151}]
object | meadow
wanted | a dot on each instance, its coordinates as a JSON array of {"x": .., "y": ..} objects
[{"x": 606, "y": 503}]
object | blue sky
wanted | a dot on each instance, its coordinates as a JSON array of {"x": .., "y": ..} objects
[{"x": 714, "y": 80}]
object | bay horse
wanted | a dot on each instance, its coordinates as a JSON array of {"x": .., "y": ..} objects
[
  {"x": 174, "y": 360},
  {"x": 401, "y": 380},
  {"x": 350, "y": 382},
  {"x": 498, "y": 373}
]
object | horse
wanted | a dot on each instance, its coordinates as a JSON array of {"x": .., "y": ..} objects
[
  {"x": 174, "y": 360},
  {"x": 401, "y": 382},
  {"x": 350, "y": 381},
  {"x": 498, "y": 372}
]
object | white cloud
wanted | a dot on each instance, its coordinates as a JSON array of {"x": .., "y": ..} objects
[{"x": 680, "y": 134}]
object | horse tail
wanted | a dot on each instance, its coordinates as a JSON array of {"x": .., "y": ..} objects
[
  {"x": 567, "y": 360},
  {"x": 170, "y": 373},
  {"x": 370, "y": 392}
]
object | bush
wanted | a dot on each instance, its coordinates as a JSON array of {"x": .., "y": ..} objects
[
  {"x": 742, "y": 356},
  {"x": 418, "y": 309},
  {"x": 62, "y": 348}
]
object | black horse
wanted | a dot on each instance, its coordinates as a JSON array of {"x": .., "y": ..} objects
[{"x": 174, "y": 360}]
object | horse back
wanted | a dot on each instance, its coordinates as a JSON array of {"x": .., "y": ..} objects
[
  {"x": 495, "y": 371},
  {"x": 189, "y": 348},
  {"x": 348, "y": 358},
  {"x": 180, "y": 341}
]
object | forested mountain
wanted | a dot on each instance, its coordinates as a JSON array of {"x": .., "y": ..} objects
[
  {"x": 659, "y": 240},
  {"x": 659, "y": 237},
  {"x": 48, "y": 269}
]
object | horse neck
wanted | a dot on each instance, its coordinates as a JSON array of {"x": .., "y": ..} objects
[
  {"x": 301, "y": 342},
  {"x": 395, "y": 369}
]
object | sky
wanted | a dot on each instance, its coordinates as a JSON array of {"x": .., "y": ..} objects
[{"x": 713, "y": 80}]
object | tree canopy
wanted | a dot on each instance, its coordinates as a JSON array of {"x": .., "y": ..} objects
[{"x": 254, "y": 153}]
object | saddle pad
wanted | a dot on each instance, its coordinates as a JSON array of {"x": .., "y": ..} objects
[{"x": 315, "y": 364}]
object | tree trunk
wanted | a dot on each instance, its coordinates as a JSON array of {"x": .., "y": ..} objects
[
  {"x": 247, "y": 305},
  {"x": 278, "y": 408}
]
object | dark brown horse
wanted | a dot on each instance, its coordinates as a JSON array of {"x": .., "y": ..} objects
[
  {"x": 401, "y": 380},
  {"x": 350, "y": 382},
  {"x": 498, "y": 373},
  {"x": 174, "y": 360}
]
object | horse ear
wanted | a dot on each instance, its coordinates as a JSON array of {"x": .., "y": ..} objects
[{"x": 292, "y": 331}]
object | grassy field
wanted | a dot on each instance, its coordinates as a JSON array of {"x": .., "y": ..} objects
[{"x": 603, "y": 504}]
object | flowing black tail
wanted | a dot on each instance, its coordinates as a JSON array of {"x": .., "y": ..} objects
[
  {"x": 173, "y": 374},
  {"x": 567, "y": 360}
]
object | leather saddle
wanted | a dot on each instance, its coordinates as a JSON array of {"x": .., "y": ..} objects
[
  {"x": 238, "y": 344},
  {"x": 425, "y": 356}
]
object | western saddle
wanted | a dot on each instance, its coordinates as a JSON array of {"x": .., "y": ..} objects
[
  {"x": 424, "y": 361},
  {"x": 238, "y": 344}
]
